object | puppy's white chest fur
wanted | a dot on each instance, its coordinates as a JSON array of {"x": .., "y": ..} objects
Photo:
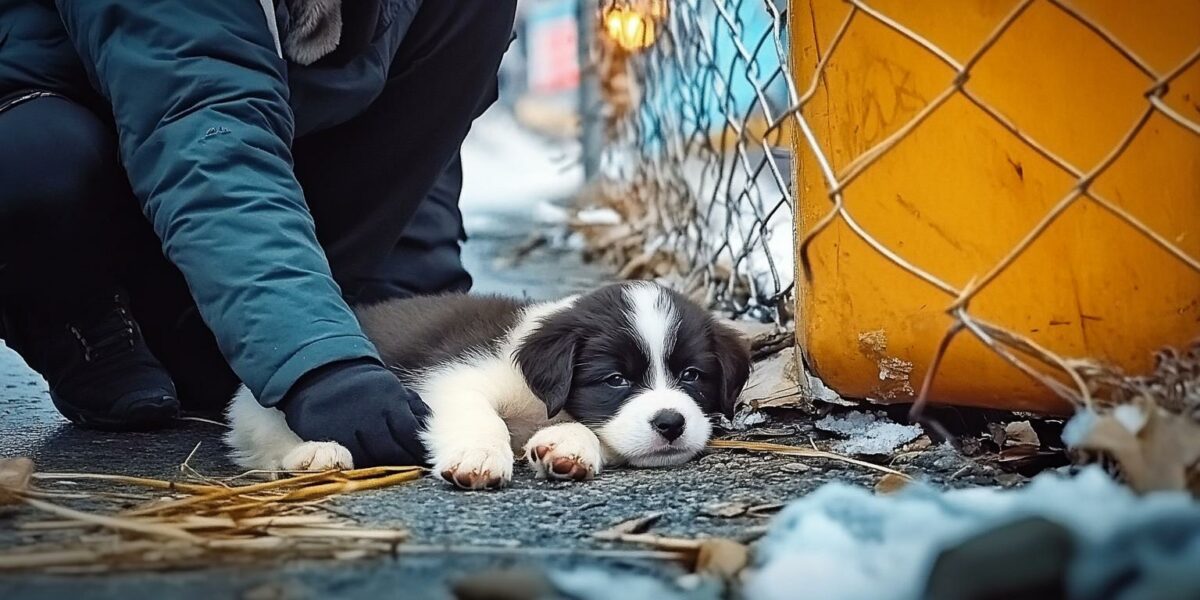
[
  {"x": 468, "y": 388},
  {"x": 482, "y": 412}
]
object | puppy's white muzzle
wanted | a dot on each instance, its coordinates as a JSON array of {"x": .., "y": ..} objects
[{"x": 635, "y": 436}]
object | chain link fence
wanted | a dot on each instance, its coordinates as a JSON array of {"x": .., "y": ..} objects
[
  {"x": 701, "y": 109},
  {"x": 695, "y": 161}
]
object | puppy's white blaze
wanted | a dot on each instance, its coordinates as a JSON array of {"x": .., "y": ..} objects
[
  {"x": 655, "y": 323},
  {"x": 630, "y": 434}
]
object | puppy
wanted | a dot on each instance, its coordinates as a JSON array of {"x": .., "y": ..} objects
[{"x": 624, "y": 375}]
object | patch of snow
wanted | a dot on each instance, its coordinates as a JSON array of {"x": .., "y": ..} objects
[
  {"x": 868, "y": 433},
  {"x": 843, "y": 542},
  {"x": 508, "y": 169},
  {"x": 743, "y": 420}
]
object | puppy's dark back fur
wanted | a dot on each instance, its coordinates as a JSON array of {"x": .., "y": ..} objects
[{"x": 412, "y": 334}]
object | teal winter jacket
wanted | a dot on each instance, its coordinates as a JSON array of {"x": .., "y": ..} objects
[{"x": 206, "y": 109}]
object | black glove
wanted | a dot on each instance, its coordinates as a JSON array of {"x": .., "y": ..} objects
[{"x": 362, "y": 406}]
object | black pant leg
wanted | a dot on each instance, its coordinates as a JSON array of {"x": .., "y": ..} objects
[
  {"x": 428, "y": 258},
  {"x": 365, "y": 179},
  {"x": 65, "y": 207},
  {"x": 71, "y": 229}
]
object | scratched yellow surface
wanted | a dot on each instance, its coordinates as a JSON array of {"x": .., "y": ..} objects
[{"x": 958, "y": 193}]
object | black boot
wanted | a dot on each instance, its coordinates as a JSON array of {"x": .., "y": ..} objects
[{"x": 101, "y": 373}]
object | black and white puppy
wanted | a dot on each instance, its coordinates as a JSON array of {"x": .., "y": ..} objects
[{"x": 624, "y": 375}]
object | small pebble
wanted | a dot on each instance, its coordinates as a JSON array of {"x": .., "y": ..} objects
[{"x": 795, "y": 468}]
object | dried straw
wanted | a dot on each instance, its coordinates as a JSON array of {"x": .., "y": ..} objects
[
  {"x": 800, "y": 451},
  {"x": 200, "y": 523}
]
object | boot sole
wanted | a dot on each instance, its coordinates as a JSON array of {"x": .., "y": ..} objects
[{"x": 144, "y": 415}]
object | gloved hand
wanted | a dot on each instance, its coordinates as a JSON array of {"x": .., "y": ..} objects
[{"x": 362, "y": 406}]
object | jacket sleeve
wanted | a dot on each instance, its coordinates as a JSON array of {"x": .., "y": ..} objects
[{"x": 199, "y": 96}]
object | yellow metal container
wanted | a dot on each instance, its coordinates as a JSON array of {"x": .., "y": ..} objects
[{"x": 1063, "y": 82}]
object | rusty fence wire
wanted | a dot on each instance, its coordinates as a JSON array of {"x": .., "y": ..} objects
[
  {"x": 701, "y": 107},
  {"x": 695, "y": 158}
]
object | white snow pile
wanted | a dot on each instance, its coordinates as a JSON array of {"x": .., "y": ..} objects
[
  {"x": 843, "y": 542},
  {"x": 868, "y": 433}
]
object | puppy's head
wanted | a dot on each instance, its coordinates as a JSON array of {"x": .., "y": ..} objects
[{"x": 640, "y": 365}]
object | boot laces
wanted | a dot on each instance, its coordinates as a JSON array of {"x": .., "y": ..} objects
[{"x": 112, "y": 334}]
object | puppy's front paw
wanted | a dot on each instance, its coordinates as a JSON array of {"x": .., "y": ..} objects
[
  {"x": 476, "y": 468},
  {"x": 317, "y": 456},
  {"x": 565, "y": 451}
]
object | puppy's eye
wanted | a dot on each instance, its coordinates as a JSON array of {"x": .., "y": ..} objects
[
  {"x": 690, "y": 375},
  {"x": 616, "y": 380}
]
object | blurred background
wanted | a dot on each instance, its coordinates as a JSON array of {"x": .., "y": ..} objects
[{"x": 641, "y": 132}]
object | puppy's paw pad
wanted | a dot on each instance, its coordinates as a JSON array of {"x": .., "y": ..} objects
[
  {"x": 568, "y": 467},
  {"x": 476, "y": 468},
  {"x": 317, "y": 456},
  {"x": 566, "y": 458}
]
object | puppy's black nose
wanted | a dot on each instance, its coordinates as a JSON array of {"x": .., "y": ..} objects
[{"x": 668, "y": 423}]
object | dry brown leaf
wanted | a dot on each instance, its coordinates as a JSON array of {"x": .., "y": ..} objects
[
  {"x": 722, "y": 557},
  {"x": 14, "y": 478},
  {"x": 632, "y": 526},
  {"x": 1156, "y": 449},
  {"x": 1021, "y": 433},
  {"x": 890, "y": 484}
]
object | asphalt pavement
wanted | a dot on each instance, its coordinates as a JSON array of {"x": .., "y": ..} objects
[{"x": 531, "y": 523}]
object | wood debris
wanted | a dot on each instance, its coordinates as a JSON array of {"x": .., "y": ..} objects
[{"x": 203, "y": 522}]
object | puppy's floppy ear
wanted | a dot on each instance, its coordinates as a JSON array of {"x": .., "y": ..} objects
[
  {"x": 547, "y": 360},
  {"x": 733, "y": 356}
]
